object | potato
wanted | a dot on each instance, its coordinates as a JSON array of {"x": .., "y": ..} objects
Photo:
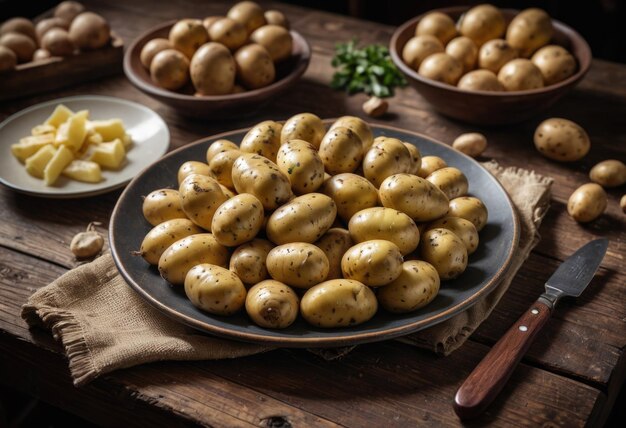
[
  {"x": 520, "y": 75},
  {"x": 272, "y": 304},
  {"x": 609, "y": 173},
  {"x": 304, "y": 219},
  {"x": 416, "y": 158},
  {"x": 8, "y": 59},
  {"x": 110, "y": 155},
  {"x": 473, "y": 144},
  {"x": 36, "y": 163},
  {"x": 301, "y": 163},
  {"x": 276, "y": 39},
  {"x": 44, "y": 25},
  {"x": 192, "y": 167},
  {"x": 228, "y": 32},
  {"x": 184, "y": 254},
  {"x": 68, "y": 10},
  {"x": 587, "y": 203},
  {"x": 338, "y": 303},
  {"x": 200, "y": 196},
  {"x": 170, "y": 69},
  {"x": 351, "y": 193},
  {"x": 555, "y": 63},
  {"x": 334, "y": 244},
  {"x": 451, "y": 181},
  {"x": 162, "y": 205},
  {"x": 248, "y": 261},
  {"x": 248, "y": 13},
  {"x": 221, "y": 167},
  {"x": 276, "y": 17},
  {"x": 417, "y": 286},
  {"x": 19, "y": 25},
  {"x": 442, "y": 68},
  {"x": 465, "y": 50},
  {"x": 297, "y": 264},
  {"x": 261, "y": 177},
  {"x": 430, "y": 164},
  {"x": 418, "y": 48},
  {"x": 416, "y": 197},
  {"x": 359, "y": 126},
  {"x": 387, "y": 156},
  {"x": 622, "y": 203},
  {"x": 303, "y": 126},
  {"x": 529, "y": 30},
  {"x": 41, "y": 54},
  {"x": 187, "y": 35},
  {"x": 237, "y": 220},
  {"x": 482, "y": 23},
  {"x": 89, "y": 31},
  {"x": 212, "y": 69},
  {"x": 28, "y": 146},
  {"x": 480, "y": 80},
  {"x": 462, "y": 228},
  {"x": 471, "y": 209},
  {"x": 109, "y": 129},
  {"x": 56, "y": 165},
  {"x": 150, "y": 49},
  {"x": 163, "y": 235},
  {"x": 385, "y": 223},
  {"x": 254, "y": 64},
  {"x": 214, "y": 289},
  {"x": 495, "y": 53},
  {"x": 341, "y": 150},
  {"x": 374, "y": 263},
  {"x": 263, "y": 139},
  {"x": 445, "y": 251},
  {"x": 85, "y": 171},
  {"x": 437, "y": 24},
  {"x": 219, "y": 146},
  {"x": 561, "y": 140},
  {"x": 22, "y": 46}
]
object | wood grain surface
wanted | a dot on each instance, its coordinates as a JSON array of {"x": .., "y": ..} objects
[{"x": 570, "y": 375}]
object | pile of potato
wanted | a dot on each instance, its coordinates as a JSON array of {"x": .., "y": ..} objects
[
  {"x": 481, "y": 53},
  {"x": 70, "y": 31},
  {"x": 328, "y": 223},
  {"x": 221, "y": 54}
]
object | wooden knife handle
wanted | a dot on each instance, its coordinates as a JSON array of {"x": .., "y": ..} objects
[{"x": 491, "y": 374}]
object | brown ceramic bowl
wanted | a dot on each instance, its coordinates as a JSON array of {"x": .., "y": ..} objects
[
  {"x": 491, "y": 108},
  {"x": 218, "y": 106}
]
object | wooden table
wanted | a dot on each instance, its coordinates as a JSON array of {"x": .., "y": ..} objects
[{"x": 570, "y": 376}]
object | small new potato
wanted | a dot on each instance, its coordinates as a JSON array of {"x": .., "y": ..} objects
[
  {"x": 150, "y": 49},
  {"x": 169, "y": 69},
  {"x": 276, "y": 17},
  {"x": 41, "y": 54},
  {"x": 255, "y": 67},
  {"x": 470, "y": 208},
  {"x": 57, "y": 42},
  {"x": 462, "y": 228},
  {"x": 351, "y": 193},
  {"x": 303, "y": 219},
  {"x": 473, "y": 144},
  {"x": 374, "y": 263},
  {"x": 338, "y": 303},
  {"x": 219, "y": 146},
  {"x": 162, "y": 205},
  {"x": 187, "y": 35},
  {"x": 465, "y": 50},
  {"x": 8, "y": 59},
  {"x": 494, "y": 54},
  {"x": 276, "y": 39},
  {"x": 385, "y": 223},
  {"x": 68, "y": 10},
  {"x": 297, "y": 264},
  {"x": 221, "y": 167},
  {"x": 442, "y": 68},
  {"x": 272, "y": 304},
  {"x": 561, "y": 140},
  {"x": 237, "y": 220},
  {"x": 452, "y": 182},
  {"x": 445, "y": 251},
  {"x": 184, "y": 254},
  {"x": 341, "y": 150},
  {"x": 302, "y": 164},
  {"x": 248, "y": 261},
  {"x": 437, "y": 24},
  {"x": 19, "y": 25},
  {"x": 228, "y": 32},
  {"x": 587, "y": 203},
  {"x": 22, "y": 46},
  {"x": 334, "y": 244},
  {"x": 214, "y": 289},
  {"x": 609, "y": 173},
  {"x": 418, "y": 48},
  {"x": 519, "y": 75},
  {"x": 252, "y": 173},
  {"x": 416, "y": 197},
  {"x": 555, "y": 63},
  {"x": 212, "y": 69},
  {"x": 249, "y": 14},
  {"x": 163, "y": 235},
  {"x": 416, "y": 287},
  {"x": 387, "y": 156},
  {"x": 89, "y": 31},
  {"x": 303, "y": 126},
  {"x": 482, "y": 23},
  {"x": 192, "y": 167},
  {"x": 44, "y": 25},
  {"x": 263, "y": 139},
  {"x": 429, "y": 165},
  {"x": 358, "y": 126},
  {"x": 416, "y": 158},
  {"x": 529, "y": 30},
  {"x": 200, "y": 196},
  {"x": 480, "y": 80}
]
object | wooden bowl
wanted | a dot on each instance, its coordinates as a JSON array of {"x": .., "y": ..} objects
[
  {"x": 216, "y": 106},
  {"x": 491, "y": 108}
]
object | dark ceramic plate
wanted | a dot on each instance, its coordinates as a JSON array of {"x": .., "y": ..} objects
[{"x": 486, "y": 266}]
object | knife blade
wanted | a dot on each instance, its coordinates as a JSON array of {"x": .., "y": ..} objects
[{"x": 490, "y": 375}]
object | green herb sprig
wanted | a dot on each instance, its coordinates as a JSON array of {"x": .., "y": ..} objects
[{"x": 368, "y": 69}]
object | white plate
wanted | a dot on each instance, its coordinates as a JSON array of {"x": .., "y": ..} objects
[{"x": 150, "y": 135}]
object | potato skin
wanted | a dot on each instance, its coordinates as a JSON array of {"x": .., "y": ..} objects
[
  {"x": 416, "y": 197},
  {"x": 359, "y": 126},
  {"x": 387, "y": 156},
  {"x": 276, "y": 39},
  {"x": 529, "y": 30},
  {"x": 169, "y": 69},
  {"x": 162, "y": 205},
  {"x": 263, "y": 139},
  {"x": 385, "y": 223},
  {"x": 480, "y": 80},
  {"x": 248, "y": 261},
  {"x": 520, "y": 75},
  {"x": 561, "y": 140},
  {"x": 341, "y": 150},
  {"x": 303, "y": 126},
  {"x": 452, "y": 182},
  {"x": 255, "y": 68},
  {"x": 261, "y": 177},
  {"x": 416, "y": 287},
  {"x": 57, "y": 42},
  {"x": 219, "y": 146},
  {"x": 249, "y": 14},
  {"x": 163, "y": 235},
  {"x": 227, "y": 32},
  {"x": 471, "y": 209},
  {"x": 334, "y": 244},
  {"x": 465, "y": 50},
  {"x": 304, "y": 219},
  {"x": 237, "y": 220},
  {"x": 200, "y": 196},
  {"x": 338, "y": 303},
  {"x": 212, "y": 69},
  {"x": 438, "y": 25},
  {"x": 150, "y": 49},
  {"x": 351, "y": 193},
  {"x": 297, "y": 264},
  {"x": 374, "y": 263},
  {"x": 272, "y": 304},
  {"x": 418, "y": 48},
  {"x": 495, "y": 53},
  {"x": 192, "y": 167},
  {"x": 609, "y": 173},
  {"x": 214, "y": 289},
  {"x": 187, "y": 35},
  {"x": 445, "y": 251},
  {"x": 462, "y": 228},
  {"x": 482, "y": 23},
  {"x": 555, "y": 63},
  {"x": 442, "y": 68},
  {"x": 430, "y": 164},
  {"x": 221, "y": 167},
  {"x": 587, "y": 203},
  {"x": 302, "y": 165},
  {"x": 473, "y": 144}
]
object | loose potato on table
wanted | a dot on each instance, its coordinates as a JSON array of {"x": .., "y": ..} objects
[
  {"x": 452, "y": 182},
  {"x": 212, "y": 70},
  {"x": 304, "y": 219},
  {"x": 418, "y": 48},
  {"x": 214, "y": 289},
  {"x": 200, "y": 196},
  {"x": 445, "y": 251},
  {"x": 303, "y": 126},
  {"x": 555, "y": 63},
  {"x": 385, "y": 223},
  {"x": 417, "y": 286},
  {"x": 470, "y": 208},
  {"x": 334, "y": 244},
  {"x": 442, "y": 68},
  {"x": 416, "y": 197},
  {"x": 297, "y": 264},
  {"x": 359, "y": 126},
  {"x": 465, "y": 50},
  {"x": 341, "y": 150},
  {"x": 494, "y": 54},
  {"x": 473, "y": 144},
  {"x": 437, "y": 24},
  {"x": 263, "y": 139},
  {"x": 187, "y": 35},
  {"x": 162, "y": 205},
  {"x": 374, "y": 263},
  {"x": 261, "y": 177},
  {"x": 482, "y": 23},
  {"x": 163, "y": 235},
  {"x": 351, "y": 193},
  {"x": 255, "y": 68},
  {"x": 387, "y": 156},
  {"x": 480, "y": 80},
  {"x": 272, "y": 304},
  {"x": 248, "y": 261},
  {"x": 276, "y": 39},
  {"x": 561, "y": 140},
  {"x": 609, "y": 173},
  {"x": 529, "y": 30},
  {"x": 300, "y": 162},
  {"x": 237, "y": 220},
  {"x": 587, "y": 203},
  {"x": 519, "y": 75}
]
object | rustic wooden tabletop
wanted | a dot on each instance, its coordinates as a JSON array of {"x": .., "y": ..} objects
[{"x": 569, "y": 377}]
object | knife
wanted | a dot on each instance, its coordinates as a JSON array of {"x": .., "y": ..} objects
[{"x": 490, "y": 375}]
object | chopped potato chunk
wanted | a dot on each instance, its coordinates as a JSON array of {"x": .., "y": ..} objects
[
  {"x": 28, "y": 146},
  {"x": 109, "y": 129},
  {"x": 57, "y": 164},
  {"x": 58, "y": 116},
  {"x": 109, "y": 155},
  {"x": 43, "y": 129},
  {"x": 36, "y": 163},
  {"x": 86, "y": 171}
]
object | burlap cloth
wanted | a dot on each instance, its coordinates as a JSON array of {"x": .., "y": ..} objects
[{"x": 104, "y": 325}]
